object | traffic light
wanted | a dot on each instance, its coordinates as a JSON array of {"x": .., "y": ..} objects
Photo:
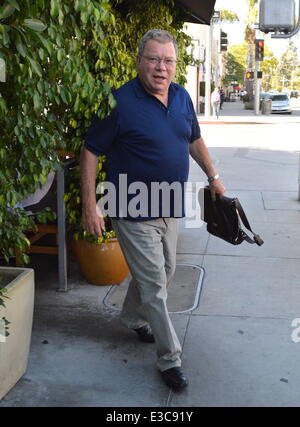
[
  {"x": 259, "y": 49},
  {"x": 223, "y": 41},
  {"x": 249, "y": 75}
]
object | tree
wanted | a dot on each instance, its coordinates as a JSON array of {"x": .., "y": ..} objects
[
  {"x": 268, "y": 67},
  {"x": 296, "y": 79},
  {"x": 235, "y": 63},
  {"x": 228, "y": 17},
  {"x": 287, "y": 67},
  {"x": 252, "y": 17},
  {"x": 249, "y": 39}
]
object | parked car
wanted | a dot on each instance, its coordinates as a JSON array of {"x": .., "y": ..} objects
[
  {"x": 280, "y": 103},
  {"x": 233, "y": 97},
  {"x": 263, "y": 95}
]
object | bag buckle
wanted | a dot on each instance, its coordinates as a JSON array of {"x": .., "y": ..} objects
[{"x": 258, "y": 240}]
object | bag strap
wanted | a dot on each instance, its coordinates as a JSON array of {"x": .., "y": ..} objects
[{"x": 257, "y": 239}]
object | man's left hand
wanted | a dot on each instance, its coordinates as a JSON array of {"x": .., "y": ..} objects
[{"x": 216, "y": 187}]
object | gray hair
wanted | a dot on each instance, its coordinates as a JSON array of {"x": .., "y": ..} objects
[{"x": 162, "y": 36}]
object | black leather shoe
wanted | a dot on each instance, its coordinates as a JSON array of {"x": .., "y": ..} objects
[
  {"x": 145, "y": 334},
  {"x": 175, "y": 378}
]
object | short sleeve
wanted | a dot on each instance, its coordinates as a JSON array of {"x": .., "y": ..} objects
[
  {"x": 196, "y": 133},
  {"x": 102, "y": 133}
]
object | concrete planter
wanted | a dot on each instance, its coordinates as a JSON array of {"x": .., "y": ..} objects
[{"x": 14, "y": 349}]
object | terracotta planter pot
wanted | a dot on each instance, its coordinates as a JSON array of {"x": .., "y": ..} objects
[{"x": 102, "y": 264}]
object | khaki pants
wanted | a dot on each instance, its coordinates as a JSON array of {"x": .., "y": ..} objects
[{"x": 150, "y": 251}]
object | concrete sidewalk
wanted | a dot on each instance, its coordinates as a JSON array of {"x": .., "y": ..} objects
[
  {"x": 234, "y": 112},
  {"x": 237, "y": 344}
]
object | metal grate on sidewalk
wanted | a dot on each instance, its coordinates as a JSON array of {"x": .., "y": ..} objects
[{"x": 183, "y": 292}]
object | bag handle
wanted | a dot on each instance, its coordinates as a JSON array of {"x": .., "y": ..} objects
[{"x": 257, "y": 239}]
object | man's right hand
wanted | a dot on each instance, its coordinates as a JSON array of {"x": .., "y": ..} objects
[
  {"x": 92, "y": 218},
  {"x": 93, "y": 221}
]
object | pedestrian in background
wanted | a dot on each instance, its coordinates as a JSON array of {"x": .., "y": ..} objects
[
  {"x": 222, "y": 98},
  {"x": 215, "y": 102},
  {"x": 148, "y": 138}
]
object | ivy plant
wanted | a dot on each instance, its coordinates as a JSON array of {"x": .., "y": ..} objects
[
  {"x": 50, "y": 92},
  {"x": 63, "y": 58}
]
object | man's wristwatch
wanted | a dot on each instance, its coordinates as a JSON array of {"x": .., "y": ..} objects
[{"x": 210, "y": 179}]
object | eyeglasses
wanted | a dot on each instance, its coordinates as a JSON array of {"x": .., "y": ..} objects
[{"x": 153, "y": 60}]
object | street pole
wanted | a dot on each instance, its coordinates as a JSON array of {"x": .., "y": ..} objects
[
  {"x": 208, "y": 71},
  {"x": 257, "y": 89},
  {"x": 250, "y": 83}
]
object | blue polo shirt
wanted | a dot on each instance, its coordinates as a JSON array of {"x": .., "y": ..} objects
[{"x": 147, "y": 149}]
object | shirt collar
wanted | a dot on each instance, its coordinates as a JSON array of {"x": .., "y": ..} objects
[{"x": 142, "y": 93}]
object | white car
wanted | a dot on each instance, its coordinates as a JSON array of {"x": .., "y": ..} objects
[{"x": 280, "y": 103}]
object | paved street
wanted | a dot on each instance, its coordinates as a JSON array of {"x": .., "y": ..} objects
[
  {"x": 237, "y": 344},
  {"x": 233, "y": 112}
]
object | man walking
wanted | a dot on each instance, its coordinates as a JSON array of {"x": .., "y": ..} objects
[{"x": 147, "y": 139}]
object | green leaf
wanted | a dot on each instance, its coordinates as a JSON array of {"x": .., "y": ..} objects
[
  {"x": 42, "y": 54},
  {"x": 54, "y": 8},
  {"x": 14, "y": 3},
  {"x": 76, "y": 105},
  {"x": 46, "y": 43},
  {"x": 77, "y": 32},
  {"x": 23, "y": 180},
  {"x": 97, "y": 14},
  {"x": 6, "y": 11},
  {"x": 36, "y": 101},
  {"x": 111, "y": 101},
  {"x": 35, "y": 67},
  {"x": 63, "y": 95},
  {"x": 40, "y": 87},
  {"x": 35, "y": 25},
  {"x": 3, "y": 106},
  {"x": 84, "y": 17},
  {"x": 61, "y": 17},
  {"x": 78, "y": 79},
  {"x": 17, "y": 131},
  {"x": 25, "y": 258},
  {"x": 5, "y": 36},
  {"x": 60, "y": 54},
  {"x": 20, "y": 46}
]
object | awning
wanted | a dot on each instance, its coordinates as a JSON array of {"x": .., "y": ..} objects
[{"x": 198, "y": 11}]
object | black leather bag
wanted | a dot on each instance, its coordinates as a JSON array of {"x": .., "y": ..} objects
[{"x": 224, "y": 217}]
